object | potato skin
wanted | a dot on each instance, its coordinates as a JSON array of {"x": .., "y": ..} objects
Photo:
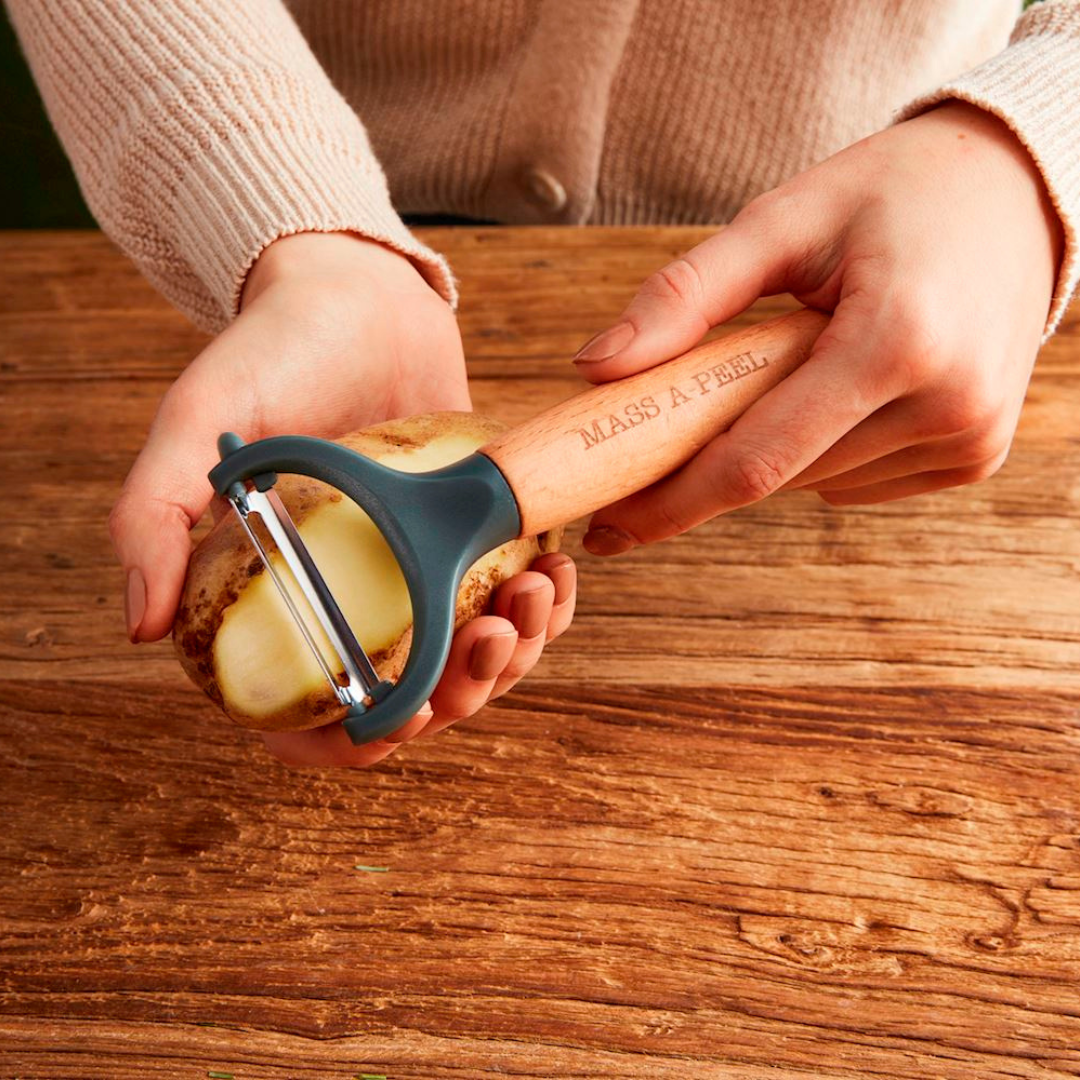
[{"x": 224, "y": 562}]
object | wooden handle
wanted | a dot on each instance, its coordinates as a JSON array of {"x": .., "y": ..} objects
[{"x": 619, "y": 437}]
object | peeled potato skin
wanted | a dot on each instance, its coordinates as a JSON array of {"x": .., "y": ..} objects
[{"x": 224, "y": 562}]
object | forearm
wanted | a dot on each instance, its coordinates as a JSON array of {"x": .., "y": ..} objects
[{"x": 202, "y": 132}]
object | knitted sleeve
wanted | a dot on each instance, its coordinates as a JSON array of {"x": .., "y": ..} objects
[
  {"x": 1034, "y": 87},
  {"x": 202, "y": 131}
]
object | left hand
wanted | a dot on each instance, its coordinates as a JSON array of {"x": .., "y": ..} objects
[
  {"x": 335, "y": 332},
  {"x": 935, "y": 246}
]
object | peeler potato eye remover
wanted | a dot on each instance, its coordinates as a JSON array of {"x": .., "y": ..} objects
[{"x": 585, "y": 453}]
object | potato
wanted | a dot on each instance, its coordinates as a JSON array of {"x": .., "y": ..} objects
[{"x": 233, "y": 633}]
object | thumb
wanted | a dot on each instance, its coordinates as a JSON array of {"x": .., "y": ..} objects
[
  {"x": 678, "y": 304},
  {"x": 162, "y": 500}
]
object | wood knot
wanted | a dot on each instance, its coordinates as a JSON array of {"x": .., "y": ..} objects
[
  {"x": 38, "y": 638},
  {"x": 805, "y": 946},
  {"x": 923, "y": 801},
  {"x": 992, "y": 942},
  {"x": 821, "y": 946}
]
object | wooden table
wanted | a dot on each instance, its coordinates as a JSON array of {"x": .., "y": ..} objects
[{"x": 797, "y": 796}]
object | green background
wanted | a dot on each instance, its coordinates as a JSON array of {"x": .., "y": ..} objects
[{"x": 37, "y": 187}]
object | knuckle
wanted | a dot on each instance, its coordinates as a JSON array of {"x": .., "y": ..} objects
[
  {"x": 954, "y": 415},
  {"x": 449, "y": 710},
  {"x": 753, "y": 475},
  {"x": 118, "y": 518},
  {"x": 679, "y": 281},
  {"x": 518, "y": 668},
  {"x": 920, "y": 344},
  {"x": 975, "y": 474},
  {"x": 130, "y": 508},
  {"x": 971, "y": 410},
  {"x": 672, "y": 521},
  {"x": 560, "y": 623},
  {"x": 916, "y": 354},
  {"x": 988, "y": 443}
]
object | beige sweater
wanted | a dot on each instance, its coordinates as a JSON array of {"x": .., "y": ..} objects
[{"x": 201, "y": 130}]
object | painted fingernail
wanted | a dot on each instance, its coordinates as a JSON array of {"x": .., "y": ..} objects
[
  {"x": 134, "y": 603},
  {"x": 528, "y": 613},
  {"x": 490, "y": 655},
  {"x": 605, "y": 345},
  {"x": 563, "y": 576},
  {"x": 607, "y": 540}
]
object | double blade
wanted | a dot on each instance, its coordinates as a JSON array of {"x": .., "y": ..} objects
[{"x": 362, "y": 685}]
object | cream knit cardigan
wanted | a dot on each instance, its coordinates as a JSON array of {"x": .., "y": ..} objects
[{"x": 201, "y": 130}]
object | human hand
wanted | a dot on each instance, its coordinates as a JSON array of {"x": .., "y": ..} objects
[
  {"x": 334, "y": 333},
  {"x": 935, "y": 246}
]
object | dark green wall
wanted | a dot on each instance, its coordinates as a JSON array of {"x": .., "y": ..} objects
[{"x": 37, "y": 187}]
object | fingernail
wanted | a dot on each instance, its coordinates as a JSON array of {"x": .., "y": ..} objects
[
  {"x": 490, "y": 655},
  {"x": 563, "y": 576},
  {"x": 527, "y": 613},
  {"x": 134, "y": 603},
  {"x": 607, "y": 540},
  {"x": 605, "y": 345}
]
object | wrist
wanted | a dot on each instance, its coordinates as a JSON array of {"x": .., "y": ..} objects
[
  {"x": 1006, "y": 152},
  {"x": 310, "y": 256}
]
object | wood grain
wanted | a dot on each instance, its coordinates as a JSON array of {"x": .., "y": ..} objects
[
  {"x": 796, "y": 797},
  {"x": 575, "y": 458}
]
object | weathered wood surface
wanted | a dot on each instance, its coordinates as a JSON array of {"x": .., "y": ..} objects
[{"x": 798, "y": 796}]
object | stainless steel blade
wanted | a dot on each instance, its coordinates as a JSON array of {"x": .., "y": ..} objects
[
  {"x": 359, "y": 671},
  {"x": 242, "y": 510}
]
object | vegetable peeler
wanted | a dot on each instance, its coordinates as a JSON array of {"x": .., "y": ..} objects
[{"x": 603, "y": 444}]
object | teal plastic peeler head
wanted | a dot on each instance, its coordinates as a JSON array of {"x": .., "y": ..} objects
[{"x": 437, "y": 525}]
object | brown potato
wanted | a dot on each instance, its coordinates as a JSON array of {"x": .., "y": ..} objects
[{"x": 233, "y": 633}]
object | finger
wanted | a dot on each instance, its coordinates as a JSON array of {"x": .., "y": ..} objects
[
  {"x": 324, "y": 747},
  {"x": 480, "y": 651},
  {"x": 331, "y": 746},
  {"x": 526, "y": 600},
  {"x": 923, "y": 433},
  {"x": 892, "y": 428},
  {"x": 563, "y": 573},
  {"x": 930, "y": 431},
  {"x": 163, "y": 498},
  {"x": 909, "y": 486},
  {"x": 679, "y": 303},
  {"x": 936, "y": 456},
  {"x": 413, "y": 727},
  {"x": 778, "y": 437}
]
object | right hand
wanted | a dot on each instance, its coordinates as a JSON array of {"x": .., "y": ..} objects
[{"x": 335, "y": 333}]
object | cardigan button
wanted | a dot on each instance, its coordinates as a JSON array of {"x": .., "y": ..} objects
[{"x": 543, "y": 189}]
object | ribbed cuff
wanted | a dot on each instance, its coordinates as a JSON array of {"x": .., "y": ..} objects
[
  {"x": 291, "y": 164},
  {"x": 1034, "y": 87}
]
